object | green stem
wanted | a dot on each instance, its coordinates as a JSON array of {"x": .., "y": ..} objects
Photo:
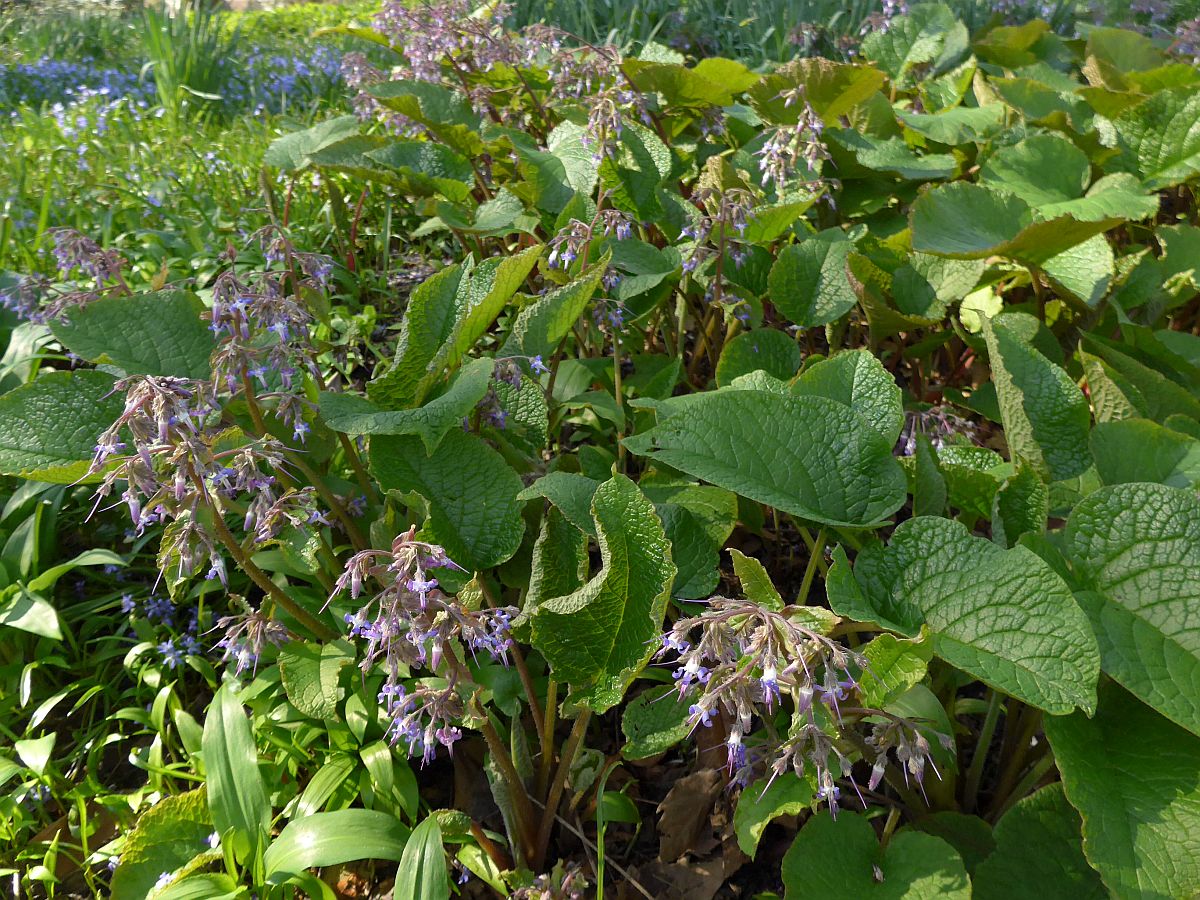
[
  {"x": 975, "y": 772},
  {"x": 817, "y": 553},
  {"x": 548, "y": 725},
  {"x": 556, "y": 788}
]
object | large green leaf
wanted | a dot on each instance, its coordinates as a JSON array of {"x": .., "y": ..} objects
[
  {"x": 809, "y": 282},
  {"x": 471, "y": 490},
  {"x": 840, "y": 859},
  {"x": 973, "y": 221},
  {"x": 766, "y": 800},
  {"x": 598, "y": 638},
  {"x": 1043, "y": 168},
  {"x": 310, "y": 676},
  {"x": 1039, "y": 854},
  {"x": 541, "y": 326},
  {"x": 294, "y": 151},
  {"x": 1159, "y": 139},
  {"x": 146, "y": 334},
  {"x": 858, "y": 380},
  {"x": 428, "y": 168},
  {"x": 354, "y": 414},
  {"x": 48, "y": 428},
  {"x": 774, "y": 352},
  {"x": 653, "y": 722},
  {"x": 893, "y": 156},
  {"x": 332, "y": 838},
  {"x": 1132, "y": 450},
  {"x": 1045, "y": 414},
  {"x": 1135, "y": 779},
  {"x": 960, "y": 125},
  {"x": 809, "y": 456},
  {"x": 1136, "y": 550},
  {"x": 167, "y": 836},
  {"x": 237, "y": 796},
  {"x": 1003, "y": 616},
  {"x": 446, "y": 315},
  {"x": 929, "y": 40}
]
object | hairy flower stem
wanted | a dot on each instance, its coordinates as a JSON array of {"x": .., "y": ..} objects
[
  {"x": 816, "y": 552},
  {"x": 522, "y": 806},
  {"x": 335, "y": 505},
  {"x": 1030, "y": 722},
  {"x": 257, "y": 575},
  {"x": 543, "y": 776},
  {"x": 975, "y": 772},
  {"x": 557, "y": 786},
  {"x": 535, "y": 708}
]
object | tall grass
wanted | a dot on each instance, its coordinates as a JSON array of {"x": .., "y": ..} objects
[{"x": 186, "y": 53}]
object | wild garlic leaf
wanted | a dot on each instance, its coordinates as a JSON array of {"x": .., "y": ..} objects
[
  {"x": 1136, "y": 551},
  {"x": 600, "y": 637},
  {"x": 809, "y": 456},
  {"x": 1003, "y": 616}
]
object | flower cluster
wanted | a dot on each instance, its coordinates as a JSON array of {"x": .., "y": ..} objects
[
  {"x": 790, "y": 145},
  {"x": 716, "y": 234},
  {"x": 574, "y": 240},
  {"x": 745, "y": 662},
  {"x": 246, "y": 635},
  {"x": 566, "y": 882},
  {"x": 411, "y": 623},
  {"x": 176, "y": 466},
  {"x": 939, "y": 424}
]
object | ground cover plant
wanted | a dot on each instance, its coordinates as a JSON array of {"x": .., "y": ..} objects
[{"x": 570, "y": 472}]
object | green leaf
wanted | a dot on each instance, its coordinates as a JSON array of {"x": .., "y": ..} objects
[
  {"x": 1158, "y": 140},
  {"x": 1136, "y": 550},
  {"x": 971, "y": 836},
  {"x": 472, "y": 493},
  {"x": 353, "y": 414},
  {"x": 1045, "y": 415},
  {"x": 632, "y": 178},
  {"x": 1021, "y": 506},
  {"x": 858, "y": 380},
  {"x": 1003, "y": 616},
  {"x": 764, "y": 801},
  {"x": 837, "y": 859},
  {"x": 1132, "y": 450},
  {"x": 833, "y": 89},
  {"x": 422, "y": 874},
  {"x": 237, "y": 796},
  {"x": 929, "y": 490},
  {"x": 598, "y": 637},
  {"x": 428, "y": 168},
  {"x": 542, "y": 325},
  {"x": 332, "y": 838},
  {"x": 756, "y": 583},
  {"x": 681, "y": 86},
  {"x": 961, "y": 125},
  {"x": 294, "y": 151},
  {"x": 1134, "y": 384},
  {"x": 929, "y": 41},
  {"x": 1135, "y": 779},
  {"x": 310, "y": 676},
  {"x": 1039, "y": 853},
  {"x": 146, "y": 334},
  {"x": 972, "y": 221},
  {"x": 205, "y": 886},
  {"x": 560, "y": 560},
  {"x": 809, "y": 282},
  {"x": 569, "y": 491},
  {"x": 895, "y": 666},
  {"x": 653, "y": 722},
  {"x": 809, "y": 456},
  {"x": 893, "y": 156},
  {"x": 446, "y": 315},
  {"x": 774, "y": 352},
  {"x": 1042, "y": 169},
  {"x": 48, "y": 428},
  {"x": 166, "y": 838}
]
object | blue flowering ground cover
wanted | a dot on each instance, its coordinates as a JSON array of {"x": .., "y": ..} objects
[{"x": 544, "y": 450}]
